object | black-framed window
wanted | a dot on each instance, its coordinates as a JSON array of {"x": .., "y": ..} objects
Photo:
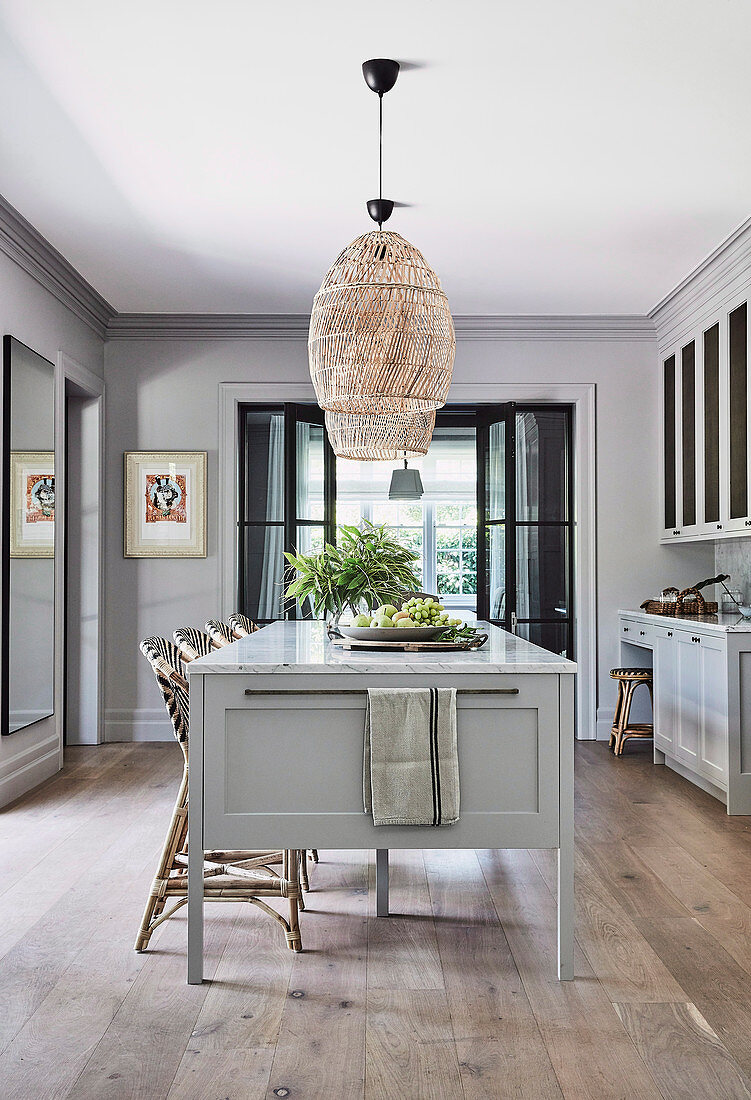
[{"x": 286, "y": 500}]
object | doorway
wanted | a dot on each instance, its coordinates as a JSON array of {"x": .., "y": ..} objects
[
  {"x": 83, "y": 502},
  {"x": 493, "y": 531}
]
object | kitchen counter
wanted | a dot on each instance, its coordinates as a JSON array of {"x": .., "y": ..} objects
[
  {"x": 288, "y": 648},
  {"x": 735, "y": 624},
  {"x": 276, "y": 754},
  {"x": 701, "y": 674}
]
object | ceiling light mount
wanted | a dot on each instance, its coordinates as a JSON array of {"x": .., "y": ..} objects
[
  {"x": 380, "y": 74},
  {"x": 380, "y": 210}
]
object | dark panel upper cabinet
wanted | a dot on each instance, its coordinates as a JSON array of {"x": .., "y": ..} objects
[
  {"x": 705, "y": 430},
  {"x": 738, "y": 412},
  {"x": 688, "y": 433},
  {"x": 668, "y": 368},
  {"x": 712, "y": 424}
]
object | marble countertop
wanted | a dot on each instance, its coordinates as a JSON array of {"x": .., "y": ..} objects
[
  {"x": 722, "y": 622},
  {"x": 295, "y": 647}
]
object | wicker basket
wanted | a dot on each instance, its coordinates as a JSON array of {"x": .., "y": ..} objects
[{"x": 688, "y": 602}]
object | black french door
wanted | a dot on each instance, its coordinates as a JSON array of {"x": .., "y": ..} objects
[
  {"x": 525, "y": 530},
  {"x": 525, "y": 556},
  {"x": 287, "y": 501}
]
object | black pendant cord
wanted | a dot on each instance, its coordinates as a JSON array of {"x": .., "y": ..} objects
[
  {"x": 380, "y": 76},
  {"x": 380, "y": 158}
]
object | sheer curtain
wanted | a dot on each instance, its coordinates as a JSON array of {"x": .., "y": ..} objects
[
  {"x": 526, "y": 456},
  {"x": 270, "y": 593}
]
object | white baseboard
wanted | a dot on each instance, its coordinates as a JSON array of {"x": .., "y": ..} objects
[
  {"x": 604, "y": 722},
  {"x": 143, "y": 724},
  {"x": 28, "y": 769}
]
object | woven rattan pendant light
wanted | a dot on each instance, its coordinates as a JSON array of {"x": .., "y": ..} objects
[
  {"x": 382, "y": 437},
  {"x": 381, "y": 342}
]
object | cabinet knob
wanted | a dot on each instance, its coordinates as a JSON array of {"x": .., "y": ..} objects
[
  {"x": 670, "y": 634},
  {"x": 642, "y": 633},
  {"x": 719, "y": 526},
  {"x": 748, "y": 523},
  {"x": 625, "y": 630},
  {"x": 678, "y": 532}
]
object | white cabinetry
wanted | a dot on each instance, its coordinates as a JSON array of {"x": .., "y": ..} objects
[
  {"x": 706, "y": 429},
  {"x": 665, "y": 688},
  {"x": 702, "y": 700},
  {"x": 688, "y": 698}
]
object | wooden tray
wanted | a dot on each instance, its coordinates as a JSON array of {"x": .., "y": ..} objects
[{"x": 411, "y": 647}]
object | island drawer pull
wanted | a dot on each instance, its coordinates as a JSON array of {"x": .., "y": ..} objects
[{"x": 361, "y": 691}]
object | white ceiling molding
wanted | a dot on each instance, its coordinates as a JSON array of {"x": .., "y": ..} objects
[
  {"x": 212, "y": 326},
  {"x": 28, "y": 248},
  {"x": 721, "y": 280}
]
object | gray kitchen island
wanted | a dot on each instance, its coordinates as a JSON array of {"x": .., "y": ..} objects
[{"x": 276, "y": 754}]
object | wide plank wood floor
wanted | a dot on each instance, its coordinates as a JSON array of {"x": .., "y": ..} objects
[{"x": 454, "y": 996}]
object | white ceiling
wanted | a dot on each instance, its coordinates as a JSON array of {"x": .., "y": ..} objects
[{"x": 576, "y": 157}]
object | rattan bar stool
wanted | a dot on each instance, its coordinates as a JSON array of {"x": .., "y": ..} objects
[
  {"x": 194, "y": 643},
  {"x": 240, "y": 625},
  {"x": 228, "y": 875},
  {"x": 219, "y": 632},
  {"x": 628, "y": 680}
]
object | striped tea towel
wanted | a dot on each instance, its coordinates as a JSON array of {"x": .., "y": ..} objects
[{"x": 411, "y": 766}]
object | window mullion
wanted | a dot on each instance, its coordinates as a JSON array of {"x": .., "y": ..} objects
[{"x": 429, "y": 569}]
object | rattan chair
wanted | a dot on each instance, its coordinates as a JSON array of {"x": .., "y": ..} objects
[
  {"x": 240, "y": 625},
  {"x": 219, "y": 633},
  {"x": 192, "y": 643},
  {"x": 228, "y": 876}
]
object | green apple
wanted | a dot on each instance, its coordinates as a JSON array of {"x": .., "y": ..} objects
[
  {"x": 390, "y": 610},
  {"x": 384, "y": 621},
  {"x": 362, "y": 620}
]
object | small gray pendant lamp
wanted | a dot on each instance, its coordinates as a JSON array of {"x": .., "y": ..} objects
[{"x": 406, "y": 484}]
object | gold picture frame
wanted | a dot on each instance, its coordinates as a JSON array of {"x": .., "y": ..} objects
[
  {"x": 164, "y": 504},
  {"x": 32, "y": 504}
]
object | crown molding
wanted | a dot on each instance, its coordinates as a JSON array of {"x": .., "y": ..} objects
[
  {"x": 213, "y": 326},
  {"x": 28, "y": 248},
  {"x": 722, "y": 277},
  {"x": 20, "y": 241}
]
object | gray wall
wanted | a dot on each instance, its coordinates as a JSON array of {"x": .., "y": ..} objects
[
  {"x": 163, "y": 394},
  {"x": 36, "y": 318}
]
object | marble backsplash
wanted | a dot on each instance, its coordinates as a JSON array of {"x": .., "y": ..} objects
[{"x": 733, "y": 556}]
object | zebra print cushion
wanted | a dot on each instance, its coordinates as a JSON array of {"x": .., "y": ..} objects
[
  {"x": 169, "y": 669},
  {"x": 219, "y": 633},
  {"x": 240, "y": 625},
  {"x": 192, "y": 643}
]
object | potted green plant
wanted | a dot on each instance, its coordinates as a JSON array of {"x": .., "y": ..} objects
[{"x": 366, "y": 568}]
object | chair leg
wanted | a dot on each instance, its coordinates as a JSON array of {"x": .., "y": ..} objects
[
  {"x": 314, "y": 854},
  {"x": 617, "y": 715},
  {"x": 174, "y": 842},
  {"x": 304, "y": 881},
  {"x": 625, "y": 712},
  {"x": 291, "y": 865}
]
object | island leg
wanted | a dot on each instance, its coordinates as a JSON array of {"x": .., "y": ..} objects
[
  {"x": 382, "y": 882},
  {"x": 566, "y": 831},
  {"x": 195, "y": 834}
]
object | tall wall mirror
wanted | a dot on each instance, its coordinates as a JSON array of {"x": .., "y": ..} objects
[{"x": 28, "y": 537}]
